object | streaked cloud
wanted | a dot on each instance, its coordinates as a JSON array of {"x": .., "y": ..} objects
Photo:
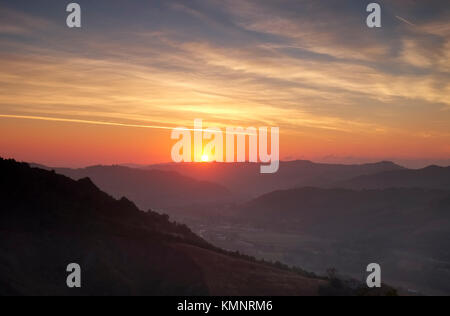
[{"x": 405, "y": 20}]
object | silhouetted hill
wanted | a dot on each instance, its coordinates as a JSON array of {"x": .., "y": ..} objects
[
  {"x": 432, "y": 177},
  {"x": 247, "y": 181},
  {"x": 48, "y": 221},
  {"x": 151, "y": 188},
  {"x": 310, "y": 206},
  {"x": 406, "y": 230}
]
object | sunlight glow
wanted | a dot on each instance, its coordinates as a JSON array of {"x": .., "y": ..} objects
[{"x": 205, "y": 158}]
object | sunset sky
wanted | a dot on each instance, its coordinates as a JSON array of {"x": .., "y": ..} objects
[{"x": 111, "y": 91}]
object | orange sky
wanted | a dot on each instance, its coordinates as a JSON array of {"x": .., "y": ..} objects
[
  {"x": 338, "y": 91},
  {"x": 79, "y": 144}
]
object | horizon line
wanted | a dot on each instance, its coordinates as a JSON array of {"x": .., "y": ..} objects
[{"x": 139, "y": 165}]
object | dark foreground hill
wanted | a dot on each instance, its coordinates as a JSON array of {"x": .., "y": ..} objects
[{"x": 48, "y": 221}]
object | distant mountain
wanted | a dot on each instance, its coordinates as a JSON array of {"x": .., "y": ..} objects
[
  {"x": 306, "y": 208},
  {"x": 48, "y": 221},
  {"x": 151, "y": 188},
  {"x": 407, "y": 231},
  {"x": 432, "y": 177},
  {"x": 246, "y": 180}
]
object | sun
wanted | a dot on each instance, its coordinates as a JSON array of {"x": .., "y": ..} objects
[{"x": 205, "y": 158}]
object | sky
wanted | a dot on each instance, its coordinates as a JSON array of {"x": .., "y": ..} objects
[{"x": 111, "y": 91}]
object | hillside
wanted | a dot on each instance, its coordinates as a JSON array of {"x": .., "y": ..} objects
[
  {"x": 407, "y": 231},
  {"x": 154, "y": 189},
  {"x": 432, "y": 177},
  {"x": 48, "y": 221},
  {"x": 246, "y": 180}
]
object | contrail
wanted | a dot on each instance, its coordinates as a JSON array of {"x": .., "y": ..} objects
[
  {"x": 405, "y": 20},
  {"x": 58, "y": 119}
]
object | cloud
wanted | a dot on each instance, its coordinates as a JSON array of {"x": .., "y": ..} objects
[
  {"x": 405, "y": 20},
  {"x": 15, "y": 22},
  {"x": 257, "y": 63}
]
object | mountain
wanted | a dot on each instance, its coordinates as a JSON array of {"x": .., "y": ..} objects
[
  {"x": 245, "y": 179},
  {"x": 406, "y": 231},
  {"x": 150, "y": 188},
  {"x": 48, "y": 221},
  {"x": 170, "y": 186},
  {"x": 306, "y": 208},
  {"x": 432, "y": 177}
]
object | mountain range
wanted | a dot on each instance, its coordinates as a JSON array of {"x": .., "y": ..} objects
[
  {"x": 48, "y": 221},
  {"x": 432, "y": 177},
  {"x": 405, "y": 230},
  {"x": 246, "y": 181},
  {"x": 154, "y": 189},
  {"x": 311, "y": 215},
  {"x": 179, "y": 185}
]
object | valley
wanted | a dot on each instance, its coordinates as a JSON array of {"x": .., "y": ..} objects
[{"x": 310, "y": 223}]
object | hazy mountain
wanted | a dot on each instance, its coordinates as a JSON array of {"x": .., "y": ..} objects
[
  {"x": 151, "y": 188},
  {"x": 432, "y": 177},
  {"x": 48, "y": 221},
  {"x": 306, "y": 208},
  {"x": 179, "y": 185},
  {"x": 407, "y": 231},
  {"x": 247, "y": 181}
]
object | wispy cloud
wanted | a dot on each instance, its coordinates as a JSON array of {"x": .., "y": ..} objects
[
  {"x": 295, "y": 64},
  {"x": 405, "y": 20},
  {"x": 15, "y": 22},
  {"x": 105, "y": 123}
]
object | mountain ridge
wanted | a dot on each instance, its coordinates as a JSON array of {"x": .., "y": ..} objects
[
  {"x": 431, "y": 177},
  {"x": 48, "y": 221},
  {"x": 156, "y": 189},
  {"x": 245, "y": 180},
  {"x": 402, "y": 229}
]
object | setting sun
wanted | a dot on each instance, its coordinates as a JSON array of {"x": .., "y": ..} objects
[{"x": 205, "y": 158}]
